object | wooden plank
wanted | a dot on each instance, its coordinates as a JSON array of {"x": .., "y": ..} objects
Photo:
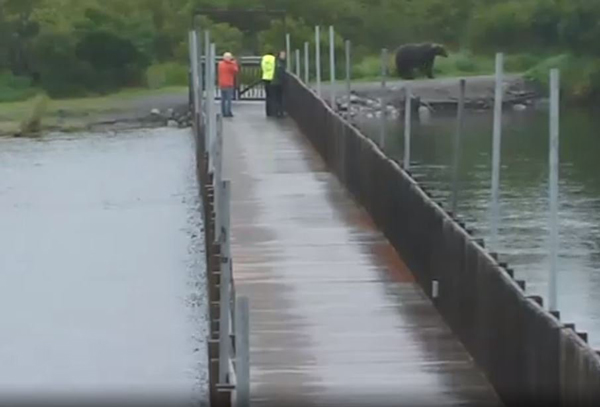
[{"x": 336, "y": 315}]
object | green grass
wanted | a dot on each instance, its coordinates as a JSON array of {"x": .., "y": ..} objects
[
  {"x": 463, "y": 64},
  {"x": 167, "y": 74},
  {"x": 579, "y": 76},
  {"x": 456, "y": 64},
  {"x": 78, "y": 111},
  {"x": 15, "y": 88}
]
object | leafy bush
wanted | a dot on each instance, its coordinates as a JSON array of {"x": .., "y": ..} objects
[
  {"x": 463, "y": 63},
  {"x": 167, "y": 74},
  {"x": 579, "y": 28},
  {"x": 503, "y": 26},
  {"x": 62, "y": 74},
  {"x": 368, "y": 68},
  {"x": 521, "y": 62},
  {"x": 116, "y": 61},
  {"x": 580, "y": 76},
  {"x": 15, "y": 88},
  {"x": 32, "y": 124}
]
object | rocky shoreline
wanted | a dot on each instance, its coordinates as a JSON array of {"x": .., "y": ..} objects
[
  {"x": 178, "y": 117},
  {"x": 432, "y": 96},
  {"x": 152, "y": 111}
]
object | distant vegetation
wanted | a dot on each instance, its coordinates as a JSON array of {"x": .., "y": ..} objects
[{"x": 81, "y": 47}]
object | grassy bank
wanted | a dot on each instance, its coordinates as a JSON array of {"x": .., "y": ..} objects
[
  {"x": 74, "y": 114},
  {"x": 580, "y": 75},
  {"x": 456, "y": 64}
]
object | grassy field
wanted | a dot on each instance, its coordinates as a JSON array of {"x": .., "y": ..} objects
[{"x": 74, "y": 114}]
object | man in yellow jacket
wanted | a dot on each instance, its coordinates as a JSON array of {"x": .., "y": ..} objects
[{"x": 267, "y": 65}]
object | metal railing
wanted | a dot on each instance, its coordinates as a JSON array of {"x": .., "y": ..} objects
[
  {"x": 248, "y": 83},
  {"x": 524, "y": 350},
  {"x": 228, "y": 339}
]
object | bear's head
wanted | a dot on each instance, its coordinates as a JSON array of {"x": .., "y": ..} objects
[{"x": 440, "y": 50}]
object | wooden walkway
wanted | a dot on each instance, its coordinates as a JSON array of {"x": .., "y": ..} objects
[{"x": 336, "y": 318}]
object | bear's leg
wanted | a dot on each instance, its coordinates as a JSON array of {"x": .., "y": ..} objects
[
  {"x": 407, "y": 74},
  {"x": 429, "y": 70},
  {"x": 404, "y": 73}
]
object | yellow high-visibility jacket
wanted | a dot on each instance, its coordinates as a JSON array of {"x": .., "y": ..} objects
[{"x": 268, "y": 67}]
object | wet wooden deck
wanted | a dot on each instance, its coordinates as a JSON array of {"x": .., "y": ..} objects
[{"x": 336, "y": 317}]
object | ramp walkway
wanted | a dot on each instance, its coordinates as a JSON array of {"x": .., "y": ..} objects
[{"x": 336, "y": 317}]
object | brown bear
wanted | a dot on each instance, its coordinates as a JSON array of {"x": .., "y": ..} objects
[{"x": 417, "y": 56}]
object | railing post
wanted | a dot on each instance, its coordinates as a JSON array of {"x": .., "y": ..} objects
[
  {"x": 211, "y": 104},
  {"x": 242, "y": 348},
  {"x": 318, "y": 59},
  {"x": 225, "y": 283},
  {"x": 332, "y": 65},
  {"x": 288, "y": 52},
  {"x": 193, "y": 37},
  {"x": 218, "y": 162},
  {"x": 306, "y": 64},
  {"x": 200, "y": 85},
  {"x": 496, "y": 152},
  {"x": 206, "y": 65},
  {"x": 191, "y": 70},
  {"x": 297, "y": 60},
  {"x": 457, "y": 140},
  {"x": 553, "y": 181},
  {"x": 348, "y": 71},
  {"x": 407, "y": 125},
  {"x": 382, "y": 101}
]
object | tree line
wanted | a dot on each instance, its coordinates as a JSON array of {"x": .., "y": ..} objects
[{"x": 77, "y": 47}]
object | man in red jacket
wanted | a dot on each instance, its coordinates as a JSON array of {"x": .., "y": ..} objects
[{"x": 228, "y": 69}]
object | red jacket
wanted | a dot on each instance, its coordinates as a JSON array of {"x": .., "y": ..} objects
[{"x": 227, "y": 72}]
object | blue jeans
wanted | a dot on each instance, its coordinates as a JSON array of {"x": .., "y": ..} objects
[{"x": 226, "y": 98}]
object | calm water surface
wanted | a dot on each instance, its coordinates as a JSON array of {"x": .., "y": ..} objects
[
  {"x": 524, "y": 231},
  {"x": 100, "y": 269}
]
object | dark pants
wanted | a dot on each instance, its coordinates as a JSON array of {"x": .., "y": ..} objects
[
  {"x": 268, "y": 98},
  {"x": 277, "y": 91},
  {"x": 226, "y": 98}
]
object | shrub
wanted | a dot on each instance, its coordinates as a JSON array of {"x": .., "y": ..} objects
[
  {"x": 15, "y": 88},
  {"x": 61, "y": 72},
  {"x": 521, "y": 62},
  {"x": 368, "y": 68},
  {"x": 463, "y": 63},
  {"x": 580, "y": 76},
  {"x": 166, "y": 74},
  {"x": 117, "y": 61}
]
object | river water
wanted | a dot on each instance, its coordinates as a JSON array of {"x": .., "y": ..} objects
[
  {"x": 101, "y": 273},
  {"x": 524, "y": 207}
]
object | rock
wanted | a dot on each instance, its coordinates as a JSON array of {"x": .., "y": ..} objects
[
  {"x": 170, "y": 113},
  {"x": 519, "y": 107},
  {"x": 172, "y": 123},
  {"x": 424, "y": 113},
  {"x": 155, "y": 112},
  {"x": 342, "y": 106}
]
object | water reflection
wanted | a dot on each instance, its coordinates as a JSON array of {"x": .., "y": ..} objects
[{"x": 523, "y": 234}]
